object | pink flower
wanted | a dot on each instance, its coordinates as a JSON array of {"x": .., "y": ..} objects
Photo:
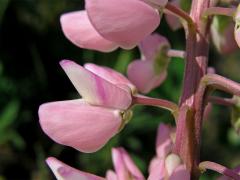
[
  {"x": 124, "y": 166},
  {"x": 151, "y": 70},
  {"x": 78, "y": 29},
  {"x": 166, "y": 165},
  {"x": 87, "y": 124},
  {"x": 108, "y": 24}
]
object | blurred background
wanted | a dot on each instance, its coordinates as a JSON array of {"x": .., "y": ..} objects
[{"x": 31, "y": 46}]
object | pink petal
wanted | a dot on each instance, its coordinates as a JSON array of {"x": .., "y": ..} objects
[
  {"x": 163, "y": 142},
  {"x": 142, "y": 74},
  {"x": 151, "y": 45},
  {"x": 78, "y": 29},
  {"x": 180, "y": 173},
  {"x": 124, "y": 22},
  {"x": 94, "y": 89},
  {"x": 111, "y": 175},
  {"x": 65, "y": 172},
  {"x": 157, "y": 170},
  {"x": 119, "y": 165},
  {"x": 132, "y": 168},
  {"x": 110, "y": 75},
  {"x": 124, "y": 166},
  {"x": 79, "y": 125}
]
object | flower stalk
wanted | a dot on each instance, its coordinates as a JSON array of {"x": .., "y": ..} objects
[
  {"x": 165, "y": 104},
  {"x": 215, "y": 81},
  {"x": 203, "y": 166},
  {"x": 197, "y": 48}
]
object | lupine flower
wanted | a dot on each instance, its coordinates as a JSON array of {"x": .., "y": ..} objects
[
  {"x": 222, "y": 31},
  {"x": 79, "y": 30},
  {"x": 124, "y": 166},
  {"x": 87, "y": 124},
  {"x": 165, "y": 165},
  {"x": 151, "y": 70},
  {"x": 108, "y": 24}
]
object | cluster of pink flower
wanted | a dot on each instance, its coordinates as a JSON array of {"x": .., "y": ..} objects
[
  {"x": 87, "y": 124},
  {"x": 164, "y": 165}
]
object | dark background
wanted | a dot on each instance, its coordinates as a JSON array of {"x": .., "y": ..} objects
[{"x": 31, "y": 46}]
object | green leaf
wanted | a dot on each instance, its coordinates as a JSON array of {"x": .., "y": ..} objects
[{"x": 9, "y": 114}]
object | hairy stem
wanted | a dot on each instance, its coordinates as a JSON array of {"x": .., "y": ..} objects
[{"x": 197, "y": 48}]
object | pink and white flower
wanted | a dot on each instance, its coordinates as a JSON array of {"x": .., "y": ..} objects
[
  {"x": 150, "y": 71},
  {"x": 87, "y": 124},
  {"x": 108, "y": 24},
  {"x": 165, "y": 165}
]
